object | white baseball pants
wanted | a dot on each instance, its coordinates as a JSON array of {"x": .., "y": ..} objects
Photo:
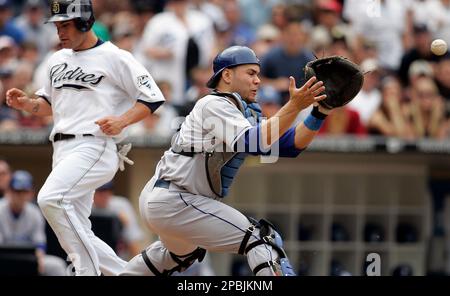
[{"x": 79, "y": 167}]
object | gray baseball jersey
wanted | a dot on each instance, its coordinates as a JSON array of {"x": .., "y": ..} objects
[
  {"x": 213, "y": 121},
  {"x": 185, "y": 213}
]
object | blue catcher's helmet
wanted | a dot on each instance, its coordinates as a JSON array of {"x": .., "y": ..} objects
[
  {"x": 79, "y": 10},
  {"x": 231, "y": 57}
]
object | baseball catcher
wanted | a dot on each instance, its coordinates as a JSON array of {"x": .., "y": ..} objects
[{"x": 183, "y": 201}]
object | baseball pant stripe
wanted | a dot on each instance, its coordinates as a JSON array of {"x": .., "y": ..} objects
[
  {"x": 228, "y": 222},
  {"x": 60, "y": 202},
  {"x": 65, "y": 212}
]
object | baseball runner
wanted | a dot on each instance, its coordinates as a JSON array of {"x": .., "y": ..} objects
[
  {"x": 182, "y": 202},
  {"x": 94, "y": 91}
]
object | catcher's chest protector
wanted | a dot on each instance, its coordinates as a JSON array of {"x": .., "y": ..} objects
[{"x": 222, "y": 167}]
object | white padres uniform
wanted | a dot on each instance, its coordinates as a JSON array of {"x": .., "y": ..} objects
[
  {"x": 83, "y": 87},
  {"x": 187, "y": 215}
]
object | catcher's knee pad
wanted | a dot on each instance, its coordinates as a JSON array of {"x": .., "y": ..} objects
[
  {"x": 267, "y": 236},
  {"x": 183, "y": 262}
]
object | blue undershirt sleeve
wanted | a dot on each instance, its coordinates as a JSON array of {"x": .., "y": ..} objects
[{"x": 250, "y": 143}]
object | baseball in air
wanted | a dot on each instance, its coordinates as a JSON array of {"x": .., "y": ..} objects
[{"x": 438, "y": 47}]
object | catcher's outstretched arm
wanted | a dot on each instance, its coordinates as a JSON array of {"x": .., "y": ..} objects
[
  {"x": 300, "y": 98},
  {"x": 307, "y": 130},
  {"x": 303, "y": 136}
]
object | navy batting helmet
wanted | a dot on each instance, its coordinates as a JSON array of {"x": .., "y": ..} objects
[
  {"x": 79, "y": 10},
  {"x": 231, "y": 57}
]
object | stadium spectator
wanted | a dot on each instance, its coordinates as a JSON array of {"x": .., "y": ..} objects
[
  {"x": 174, "y": 42},
  {"x": 21, "y": 223},
  {"x": 286, "y": 59},
  {"x": 419, "y": 51},
  {"x": 390, "y": 118},
  {"x": 32, "y": 23},
  {"x": 369, "y": 98},
  {"x": 426, "y": 111},
  {"x": 132, "y": 236},
  {"x": 343, "y": 121},
  {"x": 239, "y": 33},
  {"x": 385, "y": 26},
  {"x": 443, "y": 78},
  {"x": 270, "y": 100},
  {"x": 5, "y": 177},
  {"x": 7, "y": 26},
  {"x": 267, "y": 37}
]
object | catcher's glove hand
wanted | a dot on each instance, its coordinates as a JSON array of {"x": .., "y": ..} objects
[{"x": 342, "y": 79}]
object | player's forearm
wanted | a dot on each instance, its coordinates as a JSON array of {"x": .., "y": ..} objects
[
  {"x": 306, "y": 131},
  {"x": 303, "y": 136},
  {"x": 273, "y": 128},
  {"x": 135, "y": 114},
  {"x": 38, "y": 107}
]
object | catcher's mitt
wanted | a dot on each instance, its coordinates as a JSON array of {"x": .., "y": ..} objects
[{"x": 342, "y": 79}]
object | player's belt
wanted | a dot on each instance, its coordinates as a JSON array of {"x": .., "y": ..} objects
[
  {"x": 188, "y": 154},
  {"x": 60, "y": 136}
]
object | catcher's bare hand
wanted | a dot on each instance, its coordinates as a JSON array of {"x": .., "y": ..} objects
[
  {"x": 16, "y": 98},
  {"x": 308, "y": 94},
  {"x": 111, "y": 125}
]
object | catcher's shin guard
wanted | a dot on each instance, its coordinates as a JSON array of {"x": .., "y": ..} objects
[{"x": 268, "y": 236}]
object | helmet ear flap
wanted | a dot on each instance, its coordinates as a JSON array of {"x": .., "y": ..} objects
[
  {"x": 81, "y": 25},
  {"x": 84, "y": 25},
  {"x": 86, "y": 20}
]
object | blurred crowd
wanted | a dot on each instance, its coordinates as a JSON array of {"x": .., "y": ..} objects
[
  {"x": 22, "y": 225},
  {"x": 406, "y": 93}
]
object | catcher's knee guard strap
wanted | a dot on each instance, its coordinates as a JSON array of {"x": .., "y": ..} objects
[
  {"x": 150, "y": 264},
  {"x": 268, "y": 236},
  {"x": 244, "y": 242},
  {"x": 187, "y": 260},
  {"x": 183, "y": 261}
]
